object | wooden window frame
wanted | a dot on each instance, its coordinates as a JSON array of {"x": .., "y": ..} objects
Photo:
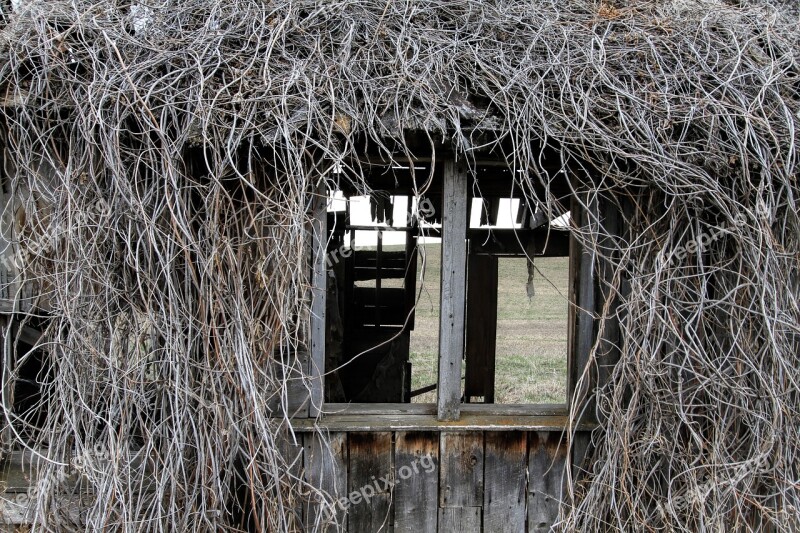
[{"x": 450, "y": 413}]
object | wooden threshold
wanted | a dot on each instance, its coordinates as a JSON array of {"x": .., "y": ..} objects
[{"x": 422, "y": 417}]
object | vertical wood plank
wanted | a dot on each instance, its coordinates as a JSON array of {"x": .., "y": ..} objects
[
  {"x": 292, "y": 450},
  {"x": 319, "y": 290},
  {"x": 581, "y": 442},
  {"x": 582, "y": 272},
  {"x": 608, "y": 300},
  {"x": 586, "y": 290},
  {"x": 293, "y": 400},
  {"x": 582, "y": 376},
  {"x": 546, "y": 464},
  {"x": 326, "y": 469},
  {"x": 608, "y": 297},
  {"x": 370, "y": 482},
  {"x": 453, "y": 289},
  {"x": 461, "y": 460},
  {"x": 481, "y": 335},
  {"x": 416, "y": 493},
  {"x": 7, "y": 386},
  {"x": 460, "y": 519},
  {"x": 574, "y": 262},
  {"x": 505, "y": 483}
]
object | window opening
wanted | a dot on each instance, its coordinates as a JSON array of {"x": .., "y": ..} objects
[
  {"x": 371, "y": 264},
  {"x": 384, "y": 296},
  {"x": 532, "y": 330}
]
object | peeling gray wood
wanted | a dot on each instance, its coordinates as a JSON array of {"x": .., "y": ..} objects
[
  {"x": 294, "y": 400},
  {"x": 583, "y": 277},
  {"x": 461, "y": 480},
  {"x": 318, "y": 294},
  {"x": 453, "y": 289},
  {"x": 546, "y": 463},
  {"x": 326, "y": 469},
  {"x": 292, "y": 451},
  {"x": 504, "y": 493},
  {"x": 416, "y": 494},
  {"x": 580, "y": 447},
  {"x": 507, "y": 410},
  {"x": 370, "y": 482},
  {"x": 468, "y": 422},
  {"x": 460, "y": 519},
  {"x": 609, "y": 351}
]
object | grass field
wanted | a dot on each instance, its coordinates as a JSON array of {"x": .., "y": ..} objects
[{"x": 531, "y": 335}]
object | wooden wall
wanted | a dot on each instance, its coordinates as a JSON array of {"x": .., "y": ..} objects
[{"x": 454, "y": 481}]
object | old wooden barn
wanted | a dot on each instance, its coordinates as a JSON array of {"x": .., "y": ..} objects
[{"x": 194, "y": 340}]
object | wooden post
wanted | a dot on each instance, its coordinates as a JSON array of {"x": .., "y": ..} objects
[
  {"x": 453, "y": 289},
  {"x": 581, "y": 380},
  {"x": 607, "y": 297},
  {"x": 481, "y": 339},
  {"x": 319, "y": 237},
  {"x": 582, "y": 276}
]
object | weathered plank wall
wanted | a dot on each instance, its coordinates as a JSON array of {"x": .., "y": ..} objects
[
  {"x": 454, "y": 481},
  {"x": 405, "y": 481}
]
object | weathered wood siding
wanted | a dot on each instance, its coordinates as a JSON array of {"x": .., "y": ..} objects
[{"x": 426, "y": 482}]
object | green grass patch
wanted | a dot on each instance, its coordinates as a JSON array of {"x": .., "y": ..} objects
[{"x": 531, "y": 334}]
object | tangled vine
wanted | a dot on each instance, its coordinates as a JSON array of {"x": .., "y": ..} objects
[{"x": 161, "y": 158}]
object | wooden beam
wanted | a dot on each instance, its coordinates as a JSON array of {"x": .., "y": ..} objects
[
  {"x": 490, "y": 210},
  {"x": 378, "y": 258},
  {"x": 318, "y": 296},
  {"x": 404, "y": 409},
  {"x": 453, "y": 288},
  {"x": 547, "y": 242},
  {"x": 28, "y": 335},
  {"x": 467, "y": 422},
  {"x": 608, "y": 297}
]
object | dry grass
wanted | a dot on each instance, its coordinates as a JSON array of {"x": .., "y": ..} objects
[{"x": 531, "y": 335}]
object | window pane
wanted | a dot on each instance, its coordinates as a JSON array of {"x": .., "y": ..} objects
[
  {"x": 425, "y": 336},
  {"x": 531, "y": 364}
]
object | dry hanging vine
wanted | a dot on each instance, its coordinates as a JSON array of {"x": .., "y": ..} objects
[{"x": 161, "y": 158}]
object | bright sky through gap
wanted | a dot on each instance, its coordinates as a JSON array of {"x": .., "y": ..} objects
[{"x": 360, "y": 213}]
